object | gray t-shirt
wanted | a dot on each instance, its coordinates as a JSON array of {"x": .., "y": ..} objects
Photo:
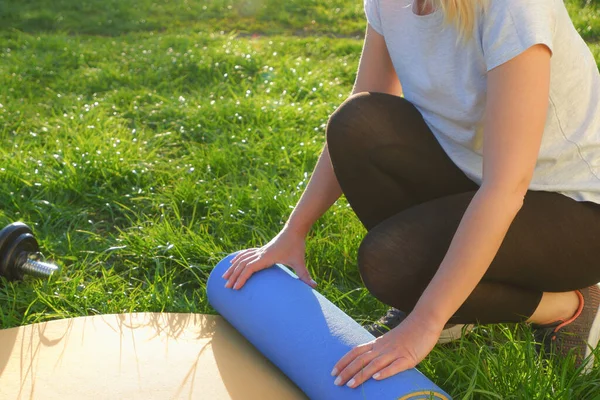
[{"x": 447, "y": 83}]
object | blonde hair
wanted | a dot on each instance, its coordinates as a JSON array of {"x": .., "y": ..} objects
[{"x": 461, "y": 13}]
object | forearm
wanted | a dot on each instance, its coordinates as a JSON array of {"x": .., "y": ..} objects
[
  {"x": 321, "y": 192},
  {"x": 474, "y": 246}
]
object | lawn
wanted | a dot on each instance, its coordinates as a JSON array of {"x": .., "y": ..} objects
[{"x": 143, "y": 141}]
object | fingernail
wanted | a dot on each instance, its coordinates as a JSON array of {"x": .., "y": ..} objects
[
  {"x": 313, "y": 282},
  {"x": 338, "y": 381},
  {"x": 334, "y": 372},
  {"x": 350, "y": 383},
  {"x": 377, "y": 375}
]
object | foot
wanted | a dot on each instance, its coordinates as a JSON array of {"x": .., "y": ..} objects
[
  {"x": 394, "y": 317},
  {"x": 389, "y": 321},
  {"x": 578, "y": 335}
]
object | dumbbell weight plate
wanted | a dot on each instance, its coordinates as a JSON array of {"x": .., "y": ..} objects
[
  {"x": 13, "y": 238},
  {"x": 22, "y": 246}
]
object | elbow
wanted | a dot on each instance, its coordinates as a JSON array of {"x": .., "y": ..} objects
[
  {"x": 512, "y": 193},
  {"x": 520, "y": 188}
]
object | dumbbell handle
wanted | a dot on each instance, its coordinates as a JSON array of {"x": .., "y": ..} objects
[
  {"x": 33, "y": 267},
  {"x": 38, "y": 268}
]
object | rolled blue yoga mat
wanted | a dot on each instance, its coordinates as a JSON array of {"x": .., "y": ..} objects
[{"x": 305, "y": 335}]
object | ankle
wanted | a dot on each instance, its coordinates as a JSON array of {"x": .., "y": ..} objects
[
  {"x": 574, "y": 315},
  {"x": 556, "y": 308},
  {"x": 571, "y": 308}
]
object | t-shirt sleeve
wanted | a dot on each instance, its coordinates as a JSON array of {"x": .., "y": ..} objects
[
  {"x": 372, "y": 13},
  {"x": 512, "y": 26}
]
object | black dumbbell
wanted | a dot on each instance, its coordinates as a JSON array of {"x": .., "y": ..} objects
[{"x": 19, "y": 251}]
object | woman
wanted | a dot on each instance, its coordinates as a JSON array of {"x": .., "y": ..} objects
[{"x": 479, "y": 189}]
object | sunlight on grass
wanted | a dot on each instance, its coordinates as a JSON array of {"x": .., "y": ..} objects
[{"x": 144, "y": 145}]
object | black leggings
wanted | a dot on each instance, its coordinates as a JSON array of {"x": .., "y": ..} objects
[{"x": 411, "y": 197}]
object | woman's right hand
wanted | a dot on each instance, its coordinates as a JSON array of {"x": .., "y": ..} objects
[{"x": 287, "y": 248}]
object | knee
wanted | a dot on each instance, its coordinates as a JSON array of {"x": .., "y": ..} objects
[
  {"x": 367, "y": 118},
  {"x": 368, "y": 267},
  {"x": 390, "y": 272},
  {"x": 347, "y": 121}
]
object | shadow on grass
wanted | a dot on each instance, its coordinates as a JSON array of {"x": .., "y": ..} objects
[
  {"x": 109, "y": 17},
  {"x": 116, "y": 17}
]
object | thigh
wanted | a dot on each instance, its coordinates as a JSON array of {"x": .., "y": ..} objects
[
  {"x": 551, "y": 246},
  {"x": 386, "y": 159}
]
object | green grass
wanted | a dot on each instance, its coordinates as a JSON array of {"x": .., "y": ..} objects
[
  {"x": 115, "y": 17},
  {"x": 146, "y": 140}
]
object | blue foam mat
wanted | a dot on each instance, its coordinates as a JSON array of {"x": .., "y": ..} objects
[{"x": 305, "y": 335}]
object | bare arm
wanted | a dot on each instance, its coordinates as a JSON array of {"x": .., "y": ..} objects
[
  {"x": 375, "y": 74},
  {"x": 518, "y": 96}
]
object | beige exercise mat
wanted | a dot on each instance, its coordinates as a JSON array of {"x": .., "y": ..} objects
[{"x": 137, "y": 356}]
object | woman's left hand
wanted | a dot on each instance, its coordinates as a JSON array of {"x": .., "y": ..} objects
[{"x": 395, "y": 351}]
